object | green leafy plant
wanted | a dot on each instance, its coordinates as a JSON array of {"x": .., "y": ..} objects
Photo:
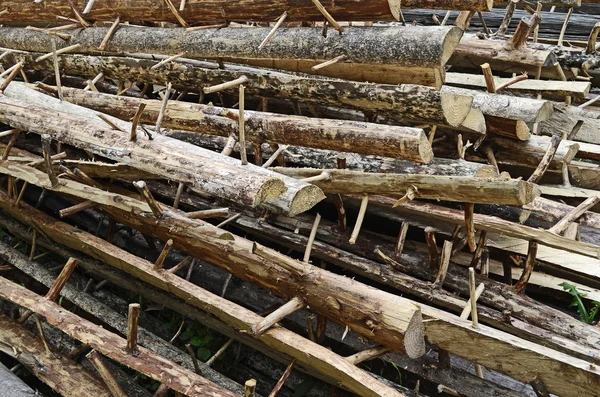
[{"x": 587, "y": 316}]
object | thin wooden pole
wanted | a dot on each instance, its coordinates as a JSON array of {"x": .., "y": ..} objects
[{"x": 132, "y": 327}]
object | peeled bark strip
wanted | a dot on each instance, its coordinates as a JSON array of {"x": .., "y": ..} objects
[
  {"x": 204, "y": 170},
  {"x": 210, "y": 11},
  {"x": 366, "y": 138},
  {"x": 61, "y": 374},
  {"x": 406, "y": 102},
  {"x": 383, "y": 55},
  {"x": 111, "y": 345},
  {"x": 437, "y": 187}
]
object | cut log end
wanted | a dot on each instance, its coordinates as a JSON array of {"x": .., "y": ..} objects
[
  {"x": 528, "y": 192},
  {"x": 269, "y": 190},
  {"x": 456, "y": 107},
  {"x": 573, "y": 148},
  {"x": 414, "y": 338},
  {"x": 545, "y": 112},
  {"x": 305, "y": 199},
  {"x": 522, "y": 131},
  {"x": 475, "y": 122},
  {"x": 425, "y": 150},
  {"x": 487, "y": 171},
  {"x": 450, "y": 43}
]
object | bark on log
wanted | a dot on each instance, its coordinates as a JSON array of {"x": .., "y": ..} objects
[
  {"x": 210, "y": 11},
  {"x": 220, "y": 176},
  {"x": 111, "y": 345},
  {"x": 316, "y": 158},
  {"x": 461, "y": 189},
  {"x": 397, "y": 323},
  {"x": 547, "y": 362},
  {"x": 402, "y": 103},
  {"x": 61, "y": 374},
  {"x": 366, "y": 138},
  {"x": 383, "y": 55},
  {"x": 573, "y": 122}
]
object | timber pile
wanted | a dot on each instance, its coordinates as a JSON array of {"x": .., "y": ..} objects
[{"x": 286, "y": 198}]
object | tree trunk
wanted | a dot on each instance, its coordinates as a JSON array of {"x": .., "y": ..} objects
[
  {"x": 573, "y": 122},
  {"x": 221, "y": 11},
  {"x": 392, "y": 55},
  {"x": 436, "y": 187},
  {"x": 260, "y": 127},
  {"x": 10, "y": 381},
  {"x": 204, "y": 170},
  {"x": 415, "y": 103},
  {"x": 61, "y": 374}
]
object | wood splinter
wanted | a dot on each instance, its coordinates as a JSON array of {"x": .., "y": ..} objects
[
  {"x": 55, "y": 289},
  {"x": 272, "y": 32},
  {"x": 470, "y": 225},
  {"x": 292, "y": 306},
  {"x": 91, "y": 83},
  {"x": 168, "y": 60},
  {"x": 431, "y": 246},
  {"x": 219, "y": 352},
  {"x": 86, "y": 205},
  {"x": 46, "y": 140},
  {"x": 176, "y": 13},
  {"x": 411, "y": 194},
  {"x": 206, "y": 214},
  {"x": 16, "y": 69},
  {"x": 163, "y": 108},
  {"x": 163, "y": 255},
  {"x": 444, "y": 263},
  {"x": 529, "y": 265},
  {"x": 399, "y": 247},
  {"x": 368, "y": 354},
  {"x": 542, "y": 167},
  {"x": 230, "y": 84},
  {"x": 283, "y": 379},
  {"x": 14, "y": 135},
  {"x": 328, "y": 63},
  {"x": 328, "y": 16},
  {"x": 136, "y": 120},
  {"x": 473, "y": 295},
  {"x": 591, "y": 44},
  {"x": 109, "y": 34},
  {"x": 574, "y": 215},
  {"x": 311, "y": 238},
  {"x": 105, "y": 374},
  {"x": 242, "y": 127},
  {"x": 58, "y": 52},
  {"x": 359, "y": 220},
  {"x": 132, "y": 327},
  {"x": 145, "y": 192}
]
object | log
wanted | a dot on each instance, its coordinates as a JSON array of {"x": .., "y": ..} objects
[
  {"x": 60, "y": 373},
  {"x": 391, "y": 55},
  {"x": 203, "y": 11},
  {"x": 10, "y": 381},
  {"x": 574, "y": 123},
  {"x": 508, "y": 107},
  {"x": 315, "y": 158},
  {"x": 451, "y": 188},
  {"x": 306, "y": 352},
  {"x": 111, "y": 345},
  {"x": 221, "y": 176},
  {"x": 556, "y": 90},
  {"x": 403, "y": 103},
  {"x": 366, "y": 138}
]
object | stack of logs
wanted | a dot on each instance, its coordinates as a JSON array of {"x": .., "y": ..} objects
[{"x": 325, "y": 182}]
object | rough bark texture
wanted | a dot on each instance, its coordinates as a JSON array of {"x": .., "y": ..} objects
[
  {"x": 399, "y": 102},
  {"x": 10, "y": 381},
  {"x": 221, "y": 176},
  {"x": 221, "y": 11},
  {"x": 436, "y": 187},
  {"x": 111, "y": 345},
  {"x": 366, "y": 138},
  {"x": 61, "y": 374},
  {"x": 384, "y": 55}
]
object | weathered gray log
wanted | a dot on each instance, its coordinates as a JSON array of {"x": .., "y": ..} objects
[
  {"x": 573, "y": 122},
  {"x": 366, "y": 138},
  {"x": 60, "y": 373},
  {"x": 436, "y": 187},
  {"x": 223, "y": 176},
  {"x": 222, "y": 11},
  {"x": 420, "y": 104},
  {"x": 10, "y": 381},
  {"x": 384, "y": 55}
]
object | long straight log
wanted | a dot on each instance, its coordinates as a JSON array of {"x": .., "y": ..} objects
[
  {"x": 384, "y": 55},
  {"x": 111, "y": 345},
  {"x": 306, "y": 352},
  {"x": 402, "y": 325},
  {"x": 220, "y": 175},
  {"x": 468, "y": 343},
  {"x": 416, "y": 103},
  {"x": 60, "y": 373},
  {"x": 437, "y": 187},
  {"x": 208, "y": 11},
  {"x": 366, "y": 138}
]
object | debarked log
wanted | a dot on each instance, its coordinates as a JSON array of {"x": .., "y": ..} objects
[
  {"x": 366, "y": 138},
  {"x": 196, "y": 11},
  {"x": 383, "y": 55},
  {"x": 416, "y": 103},
  {"x": 204, "y": 170},
  {"x": 436, "y": 187}
]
